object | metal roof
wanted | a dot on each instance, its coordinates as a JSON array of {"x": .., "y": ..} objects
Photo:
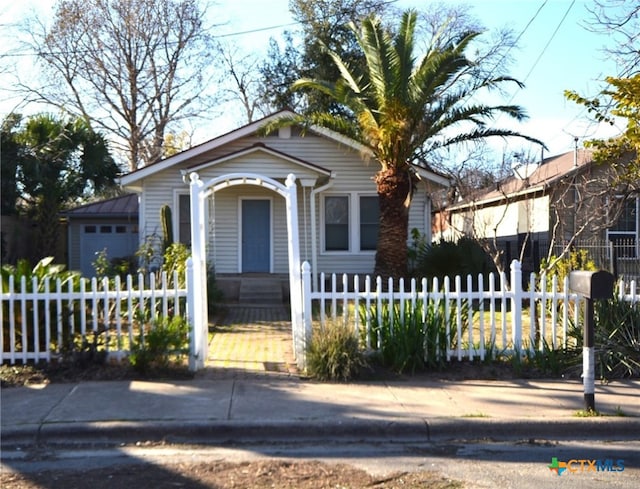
[{"x": 122, "y": 206}]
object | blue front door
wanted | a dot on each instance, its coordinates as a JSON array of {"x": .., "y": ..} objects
[{"x": 256, "y": 235}]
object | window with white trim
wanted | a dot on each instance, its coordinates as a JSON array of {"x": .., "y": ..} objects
[
  {"x": 336, "y": 223},
  {"x": 350, "y": 222},
  {"x": 184, "y": 219},
  {"x": 369, "y": 222}
]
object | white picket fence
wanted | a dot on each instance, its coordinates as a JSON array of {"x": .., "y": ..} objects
[
  {"x": 39, "y": 318},
  {"x": 486, "y": 315}
]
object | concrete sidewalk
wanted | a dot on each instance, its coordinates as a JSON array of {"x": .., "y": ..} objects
[
  {"x": 251, "y": 391},
  {"x": 281, "y": 408}
]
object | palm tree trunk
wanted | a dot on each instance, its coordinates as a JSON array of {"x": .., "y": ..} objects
[
  {"x": 48, "y": 228},
  {"x": 394, "y": 189}
]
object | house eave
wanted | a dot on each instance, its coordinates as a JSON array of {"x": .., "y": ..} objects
[
  {"x": 129, "y": 180},
  {"x": 432, "y": 176},
  {"x": 259, "y": 148},
  {"x": 514, "y": 196}
]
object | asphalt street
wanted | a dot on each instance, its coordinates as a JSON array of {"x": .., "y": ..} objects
[{"x": 482, "y": 464}]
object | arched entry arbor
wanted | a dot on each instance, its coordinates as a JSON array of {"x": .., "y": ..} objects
[{"x": 199, "y": 193}]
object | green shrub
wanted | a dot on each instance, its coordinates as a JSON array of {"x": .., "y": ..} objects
[
  {"x": 546, "y": 361},
  {"x": 401, "y": 338},
  {"x": 149, "y": 255},
  {"x": 164, "y": 340},
  {"x": 616, "y": 340},
  {"x": 84, "y": 352},
  {"x": 560, "y": 267},
  {"x": 120, "y": 266},
  {"x": 175, "y": 260},
  {"x": 334, "y": 353},
  {"x": 448, "y": 259}
]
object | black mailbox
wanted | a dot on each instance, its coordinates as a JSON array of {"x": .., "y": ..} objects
[{"x": 592, "y": 285}]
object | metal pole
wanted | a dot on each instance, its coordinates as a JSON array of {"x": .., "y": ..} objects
[{"x": 588, "y": 359}]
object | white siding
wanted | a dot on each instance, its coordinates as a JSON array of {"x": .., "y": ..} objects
[{"x": 353, "y": 176}]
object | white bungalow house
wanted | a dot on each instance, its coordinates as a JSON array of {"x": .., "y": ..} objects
[{"x": 246, "y": 230}]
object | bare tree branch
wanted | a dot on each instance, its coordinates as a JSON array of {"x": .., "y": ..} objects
[{"x": 131, "y": 75}]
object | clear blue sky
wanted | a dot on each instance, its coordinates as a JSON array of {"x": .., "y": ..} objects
[{"x": 555, "y": 53}]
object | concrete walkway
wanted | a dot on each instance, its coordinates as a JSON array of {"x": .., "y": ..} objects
[{"x": 251, "y": 341}]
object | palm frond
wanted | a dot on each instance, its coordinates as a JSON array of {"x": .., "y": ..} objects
[
  {"x": 403, "y": 106},
  {"x": 481, "y": 134},
  {"x": 404, "y": 45}
]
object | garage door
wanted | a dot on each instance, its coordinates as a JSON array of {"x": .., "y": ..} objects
[{"x": 119, "y": 240}]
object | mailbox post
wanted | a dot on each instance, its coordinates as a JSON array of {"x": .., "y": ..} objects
[{"x": 592, "y": 286}]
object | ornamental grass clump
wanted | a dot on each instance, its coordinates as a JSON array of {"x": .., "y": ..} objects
[
  {"x": 617, "y": 339},
  {"x": 157, "y": 345},
  {"x": 334, "y": 353},
  {"x": 413, "y": 337}
]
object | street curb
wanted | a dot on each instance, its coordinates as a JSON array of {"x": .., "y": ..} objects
[{"x": 394, "y": 430}]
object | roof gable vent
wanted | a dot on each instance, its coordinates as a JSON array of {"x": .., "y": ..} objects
[{"x": 284, "y": 132}]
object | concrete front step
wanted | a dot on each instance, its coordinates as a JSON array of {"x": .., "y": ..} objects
[{"x": 260, "y": 291}]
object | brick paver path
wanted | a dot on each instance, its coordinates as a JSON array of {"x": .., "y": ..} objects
[{"x": 249, "y": 341}]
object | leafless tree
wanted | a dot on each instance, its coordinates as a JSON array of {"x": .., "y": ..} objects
[
  {"x": 133, "y": 68},
  {"x": 584, "y": 205},
  {"x": 242, "y": 82},
  {"x": 620, "y": 21}
]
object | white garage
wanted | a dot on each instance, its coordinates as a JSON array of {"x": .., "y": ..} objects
[{"x": 110, "y": 225}]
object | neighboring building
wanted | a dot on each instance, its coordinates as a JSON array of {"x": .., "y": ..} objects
[
  {"x": 563, "y": 199},
  {"x": 110, "y": 225},
  {"x": 337, "y": 199}
]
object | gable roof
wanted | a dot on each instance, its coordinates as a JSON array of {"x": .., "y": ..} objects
[
  {"x": 122, "y": 206},
  {"x": 261, "y": 148},
  {"x": 549, "y": 172},
  {"x": 219, "y": 141},
  {"x": 251, "y": 128}
]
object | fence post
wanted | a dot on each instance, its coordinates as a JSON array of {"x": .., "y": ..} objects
[
  {"x": 306, "y": 313},
  {"x": 195, "y": 349},
  {"x": 516, "y": 306}
]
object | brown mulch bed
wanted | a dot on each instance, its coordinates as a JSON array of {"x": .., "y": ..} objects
[
  {"x": 46, "y": 373},
  {"x": 43, "y": 373}
]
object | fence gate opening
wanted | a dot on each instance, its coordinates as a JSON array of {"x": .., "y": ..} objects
[{"x": 200, "y": 191}]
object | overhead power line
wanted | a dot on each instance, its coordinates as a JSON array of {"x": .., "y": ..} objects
[
  {"x": 535, "y": 63},
  {"x": 519, "y": 37},
  {"x": 219, "y": 36}
]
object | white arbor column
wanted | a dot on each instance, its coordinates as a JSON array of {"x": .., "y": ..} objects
[
  {"x": 295, "y": 278},
  {"x": 199, "y": 233},
  {"x": 198, "y": 294}
]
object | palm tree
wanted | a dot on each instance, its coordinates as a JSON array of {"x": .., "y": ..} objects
[
  {"x": 403, "y": 108},
  {"x": 57, "y": 163}
]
